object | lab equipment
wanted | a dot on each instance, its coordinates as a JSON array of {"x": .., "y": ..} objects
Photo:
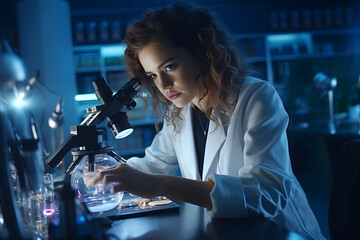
[{"x": 93, "y": 153}]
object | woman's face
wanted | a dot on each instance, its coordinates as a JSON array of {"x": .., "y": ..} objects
[{"x": 173, "y": 71}]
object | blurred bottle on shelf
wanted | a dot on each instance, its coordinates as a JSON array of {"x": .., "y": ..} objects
[
  {"x": 338, "y": 17},
  {"x": 318, "y": 21},
  {"x": 306, "y": 16},
  {"x": 116, "y": 30},
  {"x": 283, "y": 17},
  {"x": 104, "y": 31},
  {"x": 91, "y": 32},
  {"x": 79, "y": 32},
  {"x": 328, "y": 18},
  {"x": 295, "y": 19}
]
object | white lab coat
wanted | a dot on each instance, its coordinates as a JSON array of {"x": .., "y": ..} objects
[{"x": 247, "y": 159}]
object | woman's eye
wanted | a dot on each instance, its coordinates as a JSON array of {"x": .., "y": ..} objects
[
  {"x": 170, "y": 67},
  {"x": 152, "y": 76}
]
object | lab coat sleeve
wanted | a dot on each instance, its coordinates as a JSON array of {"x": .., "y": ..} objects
[
  {"x": 265, "y": 181},
  {"x": 160, "y": 156}
]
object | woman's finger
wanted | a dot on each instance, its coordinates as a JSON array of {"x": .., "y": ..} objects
[
  {"x": 97, "y": 178},
  {"x": 112, "y": 169},
  {"x": 117, "y": 188},
  {"x": 111, "y": 178},
  {"x": 102, "y": 172}
]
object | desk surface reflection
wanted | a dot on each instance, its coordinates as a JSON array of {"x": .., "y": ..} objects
[{"x": 192, "y": 223}]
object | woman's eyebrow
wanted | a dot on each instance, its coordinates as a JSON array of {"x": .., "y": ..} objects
[{"x": 163, "y": 63}]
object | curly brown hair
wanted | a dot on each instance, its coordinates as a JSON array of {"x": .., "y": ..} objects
[{"x": 196, "y": 30}]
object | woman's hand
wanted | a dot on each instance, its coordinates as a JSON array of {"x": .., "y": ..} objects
[
  {"x": 88, "y": 176},
  {"x": 147, "y": 185},
  {"x": 128, "y": 179}
]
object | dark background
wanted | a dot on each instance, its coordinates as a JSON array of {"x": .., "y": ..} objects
[
  {"x": 314, "y": 152},
  {"x": 242, "y": 16}
]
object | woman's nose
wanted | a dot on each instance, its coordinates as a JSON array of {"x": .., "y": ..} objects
[{"x": 165, "y": 82}]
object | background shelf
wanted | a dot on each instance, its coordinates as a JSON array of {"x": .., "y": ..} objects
[{"x": 288, "y": 60}]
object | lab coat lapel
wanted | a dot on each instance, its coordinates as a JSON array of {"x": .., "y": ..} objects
[
  {"x": 215, "y": 139},
  {"x": 186, "y": 145}
]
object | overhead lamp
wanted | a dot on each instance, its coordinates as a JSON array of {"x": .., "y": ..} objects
[{"x": 12, "y": 67}]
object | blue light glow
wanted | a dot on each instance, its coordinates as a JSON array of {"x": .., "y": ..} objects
[
  {"x": 282, "y": 37},
  {"x": 85, "y": 97},
  {"x": 294, "y": 236},
  {"x": 124, "y": 133},
  {"x": 56, "y": 223},
  {"x": 295, "y": 37},
  {"x": 113, "y": 51},
  {"x": 19, "y": 102},
  {"x": 82, "y": 219}
]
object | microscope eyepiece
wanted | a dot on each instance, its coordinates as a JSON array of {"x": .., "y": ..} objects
[
  {"x": 102, "y": 91},
  {"x": 117, "y": 120}
]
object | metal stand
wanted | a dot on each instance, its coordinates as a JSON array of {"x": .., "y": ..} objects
[{"x": 86, "y": 135}]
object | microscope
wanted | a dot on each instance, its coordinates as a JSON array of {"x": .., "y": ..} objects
[
  {"x": 86, "y": 134},
  {"x": 91, "y": 152},
  {"x": 21, "y": 150}
]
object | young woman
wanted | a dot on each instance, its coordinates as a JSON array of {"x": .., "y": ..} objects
[{"x": 226, "y": 131}]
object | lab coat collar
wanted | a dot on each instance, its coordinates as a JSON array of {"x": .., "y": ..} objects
[
  {"x": 186, "y": 144},
  {"x": 214, "y": 141}
]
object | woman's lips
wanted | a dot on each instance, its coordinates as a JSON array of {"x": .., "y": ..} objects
[{"x": 174, "y": 96}]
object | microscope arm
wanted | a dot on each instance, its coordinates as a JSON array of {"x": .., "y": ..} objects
[
  {"x": 80, "y": 136},
  {"x": 117, "y": 157}
]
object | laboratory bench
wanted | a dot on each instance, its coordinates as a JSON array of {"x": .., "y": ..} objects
[
  {"x": 175, "y": 220},
  {"x": 191, "y": 222}
]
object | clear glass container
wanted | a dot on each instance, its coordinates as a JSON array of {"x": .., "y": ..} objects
[{"x": 97, "y": 198}]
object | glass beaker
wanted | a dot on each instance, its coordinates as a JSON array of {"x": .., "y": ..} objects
[
  {"x": 97, "y": 198},
  {"x": 49, "y": 195}
]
